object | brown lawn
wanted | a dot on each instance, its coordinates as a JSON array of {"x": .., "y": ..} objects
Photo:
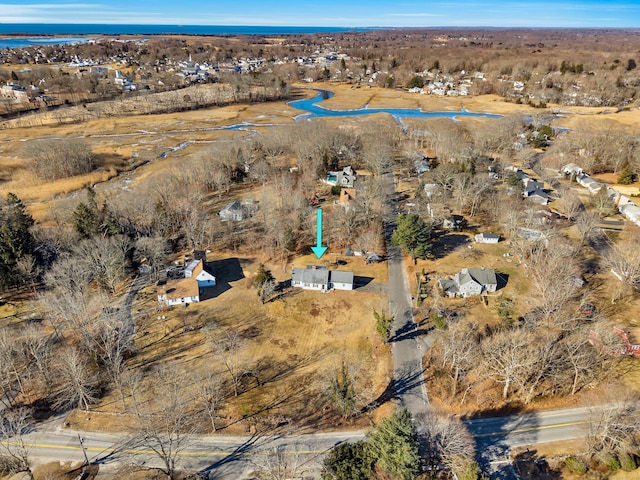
[{"x": 291, "y": 344}]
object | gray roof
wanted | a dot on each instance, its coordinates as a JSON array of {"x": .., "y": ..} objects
[
  {"x": 311, "y": 274},
  {"x": 484, "y": 276},
  {"x": 489, "y": 235},
  {"x": 341, "y": 277}
]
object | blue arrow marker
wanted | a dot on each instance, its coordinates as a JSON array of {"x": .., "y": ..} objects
[{"x": 319, "y": 249}]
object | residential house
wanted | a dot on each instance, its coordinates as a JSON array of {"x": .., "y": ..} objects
[
  {"x": 188, "y": 289},
  {"x": 589, "y": 183},
  {"x": 572, "y": 169},
  {"x": 470, "y": 281},
  {"x": 487, "y": 238},
  {"x": 344, "y": 178},
  {"x": 14, "y": 91},
  {"x": 539, "y": 196},
  {"x": 453, "y": 222},
  {"x": 631, "y": 212},
  {"x": 234, "y": 211},
  {"x": 320, "y": 278}
]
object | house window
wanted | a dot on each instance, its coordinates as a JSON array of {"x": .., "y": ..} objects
[{"x": 306, "y": 284}]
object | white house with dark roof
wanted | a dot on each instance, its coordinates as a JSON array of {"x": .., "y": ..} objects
[
  {"x": 188, "y": 289},
  {"x": 470, "y": 281},
  {"x": 487, "y": 238},
  {"x": 320, "y": 278}
]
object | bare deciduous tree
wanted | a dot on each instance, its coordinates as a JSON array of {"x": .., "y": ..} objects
[
  {"x": 614, "y": 427},
  {"x": 459, "y": 350},
  {"x": 77, "y": 381},
  {"x": 54, "y": 159},
  {"x": 228, "y": 346},
  {"x": 165, "y": 427},
  {"x": 210, "y": 394},
  {"x": 14, "y": 425},
  {"x": 279, "y": 463},
  {"x": 447, "y": 442}
]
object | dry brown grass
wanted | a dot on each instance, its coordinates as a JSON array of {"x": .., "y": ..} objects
[{"x": 292, "y": 343}]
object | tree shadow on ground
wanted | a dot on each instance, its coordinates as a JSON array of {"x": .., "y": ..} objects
[
  {"x": 446, "y": 242},
  {"x": 529, "y": 466},
  {"x": 222, "y": 468},
  {"x": 408, "y": 331},
  {"x": 408, "y": 380}
]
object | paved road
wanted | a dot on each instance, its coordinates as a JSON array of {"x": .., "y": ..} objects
[
  {"x": 222, "y": 457},
  {"x": 407, "y": 347},
  {"x": 495, "y": 437},
  {"x": 236, "y": 457}
]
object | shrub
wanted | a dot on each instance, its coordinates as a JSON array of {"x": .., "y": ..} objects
[
  {"x": 628, "y": 462},
  {"x": 438, "y": 321},
  {"x": 575, "y": 465},
  {"x": 335, "y": 190},
  {"x": 610, "y": 461}
]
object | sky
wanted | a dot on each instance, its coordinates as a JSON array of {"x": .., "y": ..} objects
[{"x": 330, "y": 13}]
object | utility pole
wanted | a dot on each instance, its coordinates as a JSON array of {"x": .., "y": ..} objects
[{"x": 84, "y": 451}]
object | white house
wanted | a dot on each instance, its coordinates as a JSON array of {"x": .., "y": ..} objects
[
  {"x": 320, "y": 278},
  {"x": 589, "y": 183},
  {"x": 340, "y": 280},
  {"x": 487, "y": 238},
  {"x": 345, "y": 178},
  {"x": 572, "y": 169},
  {"x": 631, "y": 212},
  {"x": 470, "y": 281},
  {"x": 188, "y": 289},
  {"x": 234, "y": 211}
]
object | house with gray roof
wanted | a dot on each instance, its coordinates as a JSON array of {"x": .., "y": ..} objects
[
  {"x": 345, "y": 178},
  {"x": 315, "y": 277},
  {"x": 588, "y": 182},
  {"x": 234, "y": 211},
  {"x": 470, "y": 281},
  {"x": 487, "y": 238}
]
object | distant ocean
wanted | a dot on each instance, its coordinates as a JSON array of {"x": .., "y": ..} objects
[{"x": 97, "y": 29}]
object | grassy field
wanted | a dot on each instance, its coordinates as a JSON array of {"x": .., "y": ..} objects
[{"x": 291, "y": 344}]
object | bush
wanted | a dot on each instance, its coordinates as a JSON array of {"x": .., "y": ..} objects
[
  {"x": 335, "y": 190},
  {"x": 575, "y": 465},
  {"x": 628, "y": 462},
  {"x": 610, "y": 461},
  {"x": 438, "y": 321},
  {"x": 626, "y": 176}
]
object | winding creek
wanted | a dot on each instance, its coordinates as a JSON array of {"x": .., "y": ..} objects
[{"x": 314, "y": 110}]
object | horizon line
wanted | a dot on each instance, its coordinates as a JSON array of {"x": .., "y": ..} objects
[{"x": 369, "y": 27}]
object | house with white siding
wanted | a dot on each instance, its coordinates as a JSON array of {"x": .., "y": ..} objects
[
  {"x": 487, "y": 238},
  {"x": 188, "y": 289},
  {"x": 320, "y": 278},
  {"x": 470, "y": 281}
]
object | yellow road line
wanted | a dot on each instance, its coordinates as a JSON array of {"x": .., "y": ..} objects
[
  {"x": 531, "y": 429},
  {"x": 142, "y": 451}
]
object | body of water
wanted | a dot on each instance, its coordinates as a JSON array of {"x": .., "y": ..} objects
[
  {"x": 311, "y": 105},
  {"x": 30, "y": 42},
  {"x": 97, "y": 29}
]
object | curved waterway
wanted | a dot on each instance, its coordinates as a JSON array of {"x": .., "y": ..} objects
[{"x": 314, "y": 109}]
